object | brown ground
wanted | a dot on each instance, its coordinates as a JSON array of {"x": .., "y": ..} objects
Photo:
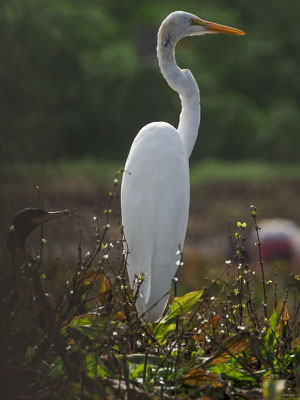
[{"x": 214, "y": 211}]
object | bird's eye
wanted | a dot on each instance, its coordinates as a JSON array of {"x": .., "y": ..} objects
[{"x": 192, "y": 21}]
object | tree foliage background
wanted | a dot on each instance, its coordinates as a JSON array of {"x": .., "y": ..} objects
[{"x": 80, "y": 77}]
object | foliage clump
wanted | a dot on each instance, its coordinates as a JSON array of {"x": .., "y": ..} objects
[{"x": 217, "y": 342}]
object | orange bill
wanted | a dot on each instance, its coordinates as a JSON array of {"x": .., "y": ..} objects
[{"x": 217, "y": 28}]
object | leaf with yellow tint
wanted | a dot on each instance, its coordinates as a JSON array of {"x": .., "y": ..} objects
[
  {"x": 92, "y": 276},
  {"x": 104, "y": 290},
  {"x": 119, "y": 316},
  {"x": 201, "y": 378},
  {"x": 206, "y": 329},
  {"x": 232, "y": 346},
  {"x": 284, "y": 318}
]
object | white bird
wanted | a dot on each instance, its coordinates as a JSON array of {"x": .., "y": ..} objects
[{"x": 155, "y": 191}]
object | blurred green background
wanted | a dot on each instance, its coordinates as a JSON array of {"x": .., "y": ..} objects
[{"x": 80, "y": 78}]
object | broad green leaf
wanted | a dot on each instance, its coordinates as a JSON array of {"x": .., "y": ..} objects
[
  {"x": 57, "y": 368},
  {"x": 84, "y": 319},
  {"x": 162, "y": 330},
  {"x": 273, "y": 320},
  {"x": 181, "y": 305},
  {"x": 240, "y": 375},
  {"x": 272, "y": 335},
  {"x": 89, "y": 324},
  {"x": 93, "y": 332},
  {"x": 152, "y": 360},
  {"x": 94, "y": 367},
  {"x": 139, "y": 370}
]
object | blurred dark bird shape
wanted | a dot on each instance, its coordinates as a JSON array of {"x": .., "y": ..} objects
[
  {"x": 24, "y": 304},
  {"x": 24, "y": 222}
]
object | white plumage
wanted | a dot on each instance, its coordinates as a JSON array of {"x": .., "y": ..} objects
[{"x": 155, "y": 190}]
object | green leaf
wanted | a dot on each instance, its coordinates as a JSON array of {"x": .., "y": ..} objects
[
  {"x": 180, "y": 305},
  {"x": 94, "y": 367},
  {"x": 139, "y": 370},
  {"x": 84, "y": 319},
  {"x": 272, "y": 335},
  {"x": 229, "y": 369},
  {"x": 152, "y": 360},
  {"x": 273, "y": 320},
  {"x": 88, "y": 324},
  {"x": 57, "y": 368}
]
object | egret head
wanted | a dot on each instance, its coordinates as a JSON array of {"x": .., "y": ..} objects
[{"x": 180, "y": 24}]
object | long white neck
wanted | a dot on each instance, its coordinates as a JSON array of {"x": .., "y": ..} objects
[{"x": 183, "y": 82}]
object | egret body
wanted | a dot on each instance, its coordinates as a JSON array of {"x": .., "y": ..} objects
[{"x": 155, "y": 192}]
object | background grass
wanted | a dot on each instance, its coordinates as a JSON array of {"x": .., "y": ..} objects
[{"x": 98, "y": 174}]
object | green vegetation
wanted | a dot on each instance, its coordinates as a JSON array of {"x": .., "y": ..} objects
[
  {"x": 81, "y": 78},
  {"x": 91, "y": 174},
  {"x": 87, "y": 173},
  {"x": 84, "y": 340}
]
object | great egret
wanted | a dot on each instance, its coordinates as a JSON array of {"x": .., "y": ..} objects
[{"x": 155, "y": 192}]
